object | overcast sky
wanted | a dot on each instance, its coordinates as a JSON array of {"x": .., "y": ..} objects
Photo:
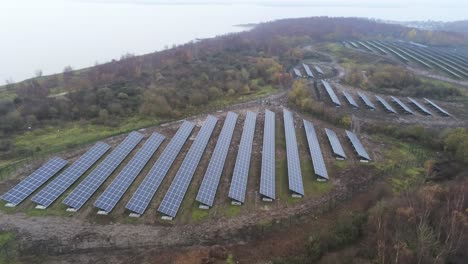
[{"x": 51, "y": 34}]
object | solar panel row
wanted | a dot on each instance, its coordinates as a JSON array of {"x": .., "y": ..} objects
[
  {"x": 267, "y": 177},
  {"x": 145, "y": 192},
  {"x": 209, "y": 185},
  {"x": 384, "y": 103},
  {"x": 114, "y": 192},
  {"x": 174, "y": 196},
  {"x": 297, "y": 72},
  {"x": 308, "y": 71},
  {"x": 81, "y": 194},
  {"x": 350, "y": 99},
  {"x": 292, "y": 155},
  {"x": 335, "y": 143},
  {"x": 315, "y": 151},
  {"x": 404, "y": 107},
  {"x": 366, "y": 101},
  {"x": 61, "y": 183},
  {"x": 331, "y": 93},
  {"x": 362, "y": 153},
  {"x": 438, "y": 108},
  {"x": 241, "y": 168},
  {"x": 31, "y": 183},
  {"x": 421, "y": 108}
]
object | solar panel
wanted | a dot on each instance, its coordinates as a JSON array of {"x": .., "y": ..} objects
[
  {"x": 317, "y": 68},
  {"x": 419, "y": 106},
  {"x": 267, "y": 178},
  {"x": 241, "y": 168},
  {"x": 308, "y": 71},
  {"x": 405, "y": 108},
  {"x": 315, "y": 151},
  {"x": 366, "y": 101},
  {"x": 61, "y": 183},
  {"x": 31, "y": 183},
  {"x": 438, "y": 108},
  {"x": 331, "y": 93},
  {"x": 145, "y": 192},
  {"x": 96, "y": 178},
  {"x": 350, "y": 99},
  {"x": 292, "y": 154},
  {"x": 335, "y": 143},
  {"x": 174, "y": 196},
  {"x": 362, "y": 153},
  {"x": 111, "y": 196},
  {"x": 384, "y": 103},
  {"x": 209, "y": 185},
  {"x": 297, "y": 72}
]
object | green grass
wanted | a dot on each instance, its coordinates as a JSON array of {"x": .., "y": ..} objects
[
  {"x": 232, "y": 210},
  {"x": 7, "y": 247},
  {"x": 199, "y": 214},
  {"x": 403, "y": 162}
]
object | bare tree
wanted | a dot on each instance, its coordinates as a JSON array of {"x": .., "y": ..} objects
[{"x": 38, "y": 73}]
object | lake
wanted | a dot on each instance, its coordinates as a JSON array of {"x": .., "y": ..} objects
[{"x": 51, "y": 34}]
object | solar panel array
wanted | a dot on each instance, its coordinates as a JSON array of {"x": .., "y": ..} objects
[
  {"x": 61, "y": 183},
  {"x": 402, "y": 105},
  {"x": 174, "y": 196},
  {"x": 297, "y": 72},
  {"x": 440, "y": 109},
  {"x": 209, "y": 185},
  {"x": 357, "y": 145},
  {"x": 308, "y": 71},
  {"x": 315, "y": 151},
  {"x": 350, "y": 99},
  {"x": 366, "y": 100},
  {"x": 145, "y": 192},
  {"x": 114, "y": 192},
  {"x": 31, "y": 183},
  {"x": 292, "y": 154},
  {"x": 241, "y": 168},
  {"x": 96, "y": 178},
  {"x": 419, "y": 106},
  {"x": 387, "y": 107},
  {"x": 267, "y": 178},
  {"x": 331, "y": 93},
  {"x": 335, "y": 143}
]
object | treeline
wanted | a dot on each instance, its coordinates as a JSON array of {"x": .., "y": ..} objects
[{"x": 166, "y": 83}]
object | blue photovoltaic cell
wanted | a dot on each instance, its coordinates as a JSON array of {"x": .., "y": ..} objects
[
  {"x": 209, "y": 185},
  {"x": 308, "y": 71},
  {"x": 145, "y": 192},
  {"x": 96, "y": 178},
  {"x": 267, "y": 178},
  {"x": 331, "y": 93},
  {"x": 405, "y": 108},
  {"x": 419, "y": 106},
  {"x": 174, "y": 196},
  {"x": 335, "y": 143},
  {"x": 27, "y": 186},
  {"x": 292, "y": 154},
  {"x": 111, "y": 196},
  {"x": 61, "y": 183},
  {"x": 366, "y": 101},
  {"x": 350, "y": 99},
  {"x": 438, "y": 108},
  {"x": 315, "y": 151},
  {"x": 384, "y": 103},
  {"x": 241, "y": 168},
  {"x": 357, "y": 145}
]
